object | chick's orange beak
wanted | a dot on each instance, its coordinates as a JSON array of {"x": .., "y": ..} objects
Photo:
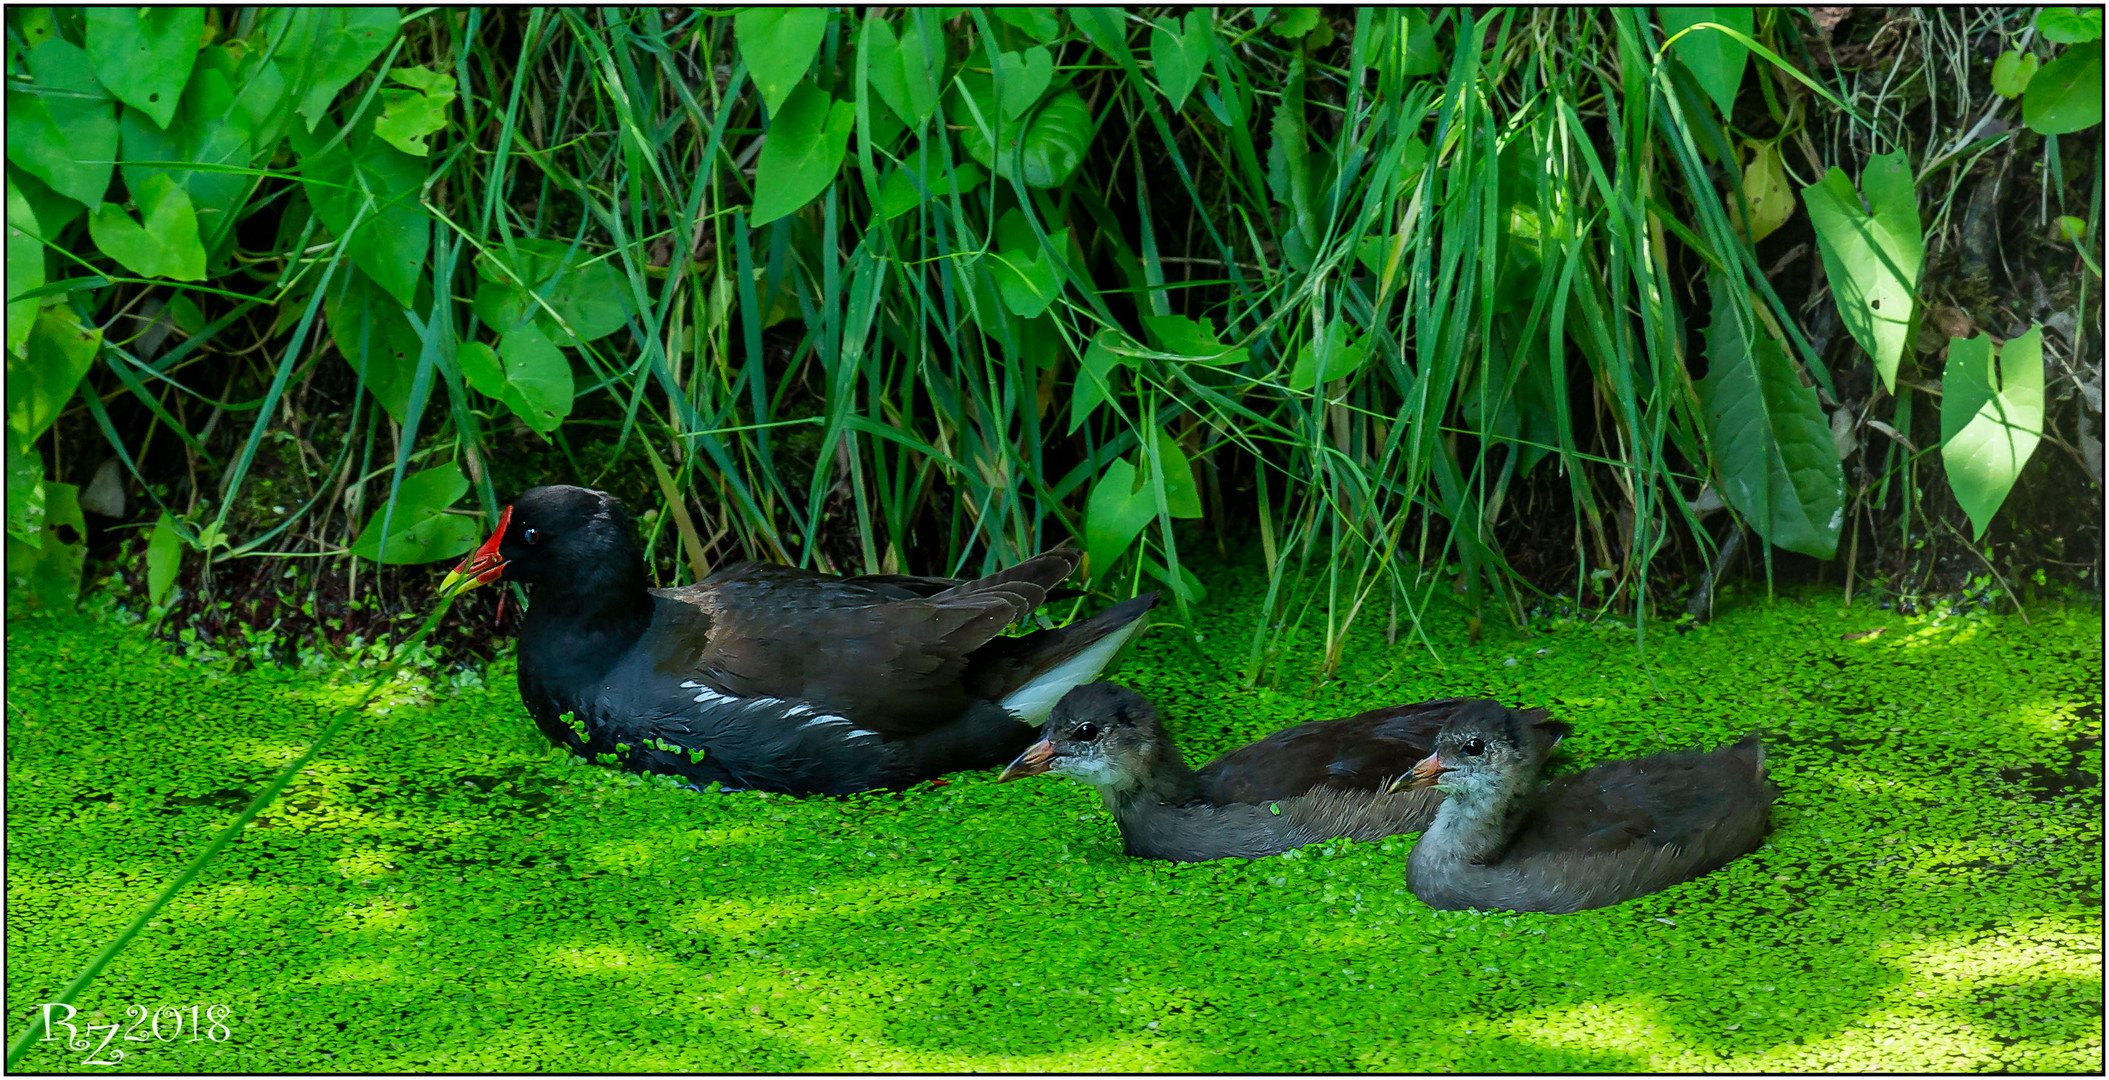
[
  {"x": 1032, "y": 762},
  {"x": 483, "y": 566},
  {"x": 1426, "y": 770}
]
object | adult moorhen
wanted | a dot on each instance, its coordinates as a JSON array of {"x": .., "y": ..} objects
[
  {"x": 1297, "y": 786},
  {"x": 773, "y": 678},
  {"x": 1592, "y": 839}
]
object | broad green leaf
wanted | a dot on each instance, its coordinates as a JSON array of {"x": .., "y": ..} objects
[
  {"x": 63, "y": 130},
  {"x": 1422, "y": 57},
  {"x": 1054, "y": 140},
  {"x": 537, "y": 378},
  {"x": 1715, "y": 59},
  {"x": 41, "y": 379},
  {"x": 1196, "y": 341},
  {"x": 898, "y": 193},
  {"x": 1872, "y": 260},
  {"x": 53, "y": 211},
  {"x": 164, "y": 558},
  {"x": 144, "y": 55},
  {"x": 1182, "y": 497},
  {"x": 1036, "y": 21},
  {"x": 778, "y": 45},
  {"x": 24, "y": 484},
  {"x": 420, "y": 530},
  {"x": 166, "y": 246},
  {"x": 2071, "y": 229},
  {"x": 1294, "y": 22},
  {"x": 324, "y": 49},
  {"x": 2066, "y": 96},
  {"x": 1094, "y": 379},
  {"x": 1336, "y": 355},
  {"x": 25, "y": 265},
  {"x": 412, "y": 114},
  {"x": 921, "y": 74},
  {"x": 1991, "y": 419},
  {"x": 1773, "y": 452},
  {"x": 883, "y": 67},
  {"x": 47, "y": 575},
  {"x": 2012, "y": 72},
  {"x": 1025, "y": 78},
  {"x": 1184, "y": 584},
  {"x": 586, "y": 292},
  {"x": 1765, "y": 186},
  {"x": 2069, "y": 26},
  {"x": 1179, "y": 59},
  {"x": 373, "y": 336},
  {"x": 807, "y": 139},
  {"x": 227, "y": 121},
  {"x": 1114, "y": 515},
  {"x": 395, "y": 233},
  {"x": 1028, "y": 278}
]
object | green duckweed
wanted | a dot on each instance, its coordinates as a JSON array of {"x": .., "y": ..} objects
[{"x": 443, "y": 891}]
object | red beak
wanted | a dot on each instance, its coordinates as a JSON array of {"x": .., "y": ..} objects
[{"x": 484, "y": 565}]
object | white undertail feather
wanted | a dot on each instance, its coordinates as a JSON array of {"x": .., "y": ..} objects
[{"x": 1033, "y": 701}]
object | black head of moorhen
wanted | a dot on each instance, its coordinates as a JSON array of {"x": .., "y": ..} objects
[
  {"x": 1591, "y": 839},
  {"x": 1297, "y": 786},
  {"x": 775, "y": 678}
]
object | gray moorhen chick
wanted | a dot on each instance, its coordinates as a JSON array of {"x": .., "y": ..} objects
[
  {"x": 773, "y": 678},
  {"x": 1588, "y": 840},
  {"x": 1297, "y": 786}
]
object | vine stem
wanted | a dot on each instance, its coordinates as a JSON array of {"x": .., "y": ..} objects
[{"x": 39, "y": 1029}]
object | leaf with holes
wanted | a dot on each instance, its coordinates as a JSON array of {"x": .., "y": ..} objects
[
  {"x": 1773, "y": 452},
  {"x": 1871, "y": 259},
  {"x": 1765, "y": 187},
  {"x": 232, "y": 111},
  {"x": 2066, "y": 96},
  {"x": 778, "y": 46},
  {"x": 63, "y": 129},
  {"x": 373, "y": 336},
  {"x": 144, "y": 55},
  {"x": 322, "y": 49},
  {"x": 41, "y": 379},
  {"x": 164, "y": 558},
  {"x": 394, "y": 233},
  {"x": 420, "y": 530},
  {"x": 166, "y": 246},
  {"x": 46, "y": 575},
  {"x": 1715, "y": 59},
  {"x": 1991, "y": 419},
  {"x": 1114, "y": 515},
  {"x": 807, "y": 139}
]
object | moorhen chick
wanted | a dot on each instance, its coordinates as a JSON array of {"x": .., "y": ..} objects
[
  {"x": 773, "y": 678},
  {"x": 1588, "y": 840},
  {"x": 1297, "y": 786}
]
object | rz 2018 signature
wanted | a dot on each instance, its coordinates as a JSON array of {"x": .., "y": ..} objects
[{"x": 163, "y": 1024}]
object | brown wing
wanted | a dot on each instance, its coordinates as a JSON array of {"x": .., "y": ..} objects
[
  {"x": 1363, "y": 752},
  {"x": 1653, "y": 801},
  {"x": 858, "y": 648}
]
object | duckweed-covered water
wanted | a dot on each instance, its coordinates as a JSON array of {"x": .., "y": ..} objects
[{"x": 439, "y": 892}]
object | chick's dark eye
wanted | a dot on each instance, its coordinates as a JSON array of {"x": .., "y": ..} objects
[
  {"x": 1085, "y": 732},
  {"x": 1475, "y": 747},
  {"x": 532, "y": 536}
]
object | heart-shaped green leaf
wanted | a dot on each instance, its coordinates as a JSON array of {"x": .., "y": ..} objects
[
  {"x": 1036, "y": 21},
  {"x": 1053, "y": 143},
  {"x": 166, "y": 246},
  {"x": 1991, "y": 419},
  {"x": 778, "y": 46},
  {"x": 1335, "y": 355},
  {"x": 395, "y": 232},
  {"x": 164, "y": 558},
  {"x": 1715, "y": 59},
  {"x": 1114, "y": 515},
  {"x": 1024, "y": 78},
  {"x": 900, "y": 192},
  {"x": 1094, "y": 379},
  {"x": 41, "y": 379},
  {"x": 1872, "y": 259},
  {"x": 320, "y": 50},
  {"x": 144, "y": 55},
  {"x": 410, "y": 115},
  {"x": 807, "y": 139},
  {"x": 585, "y": 292},
  {"x": 1765, "y": 188},
  {"x": 1196, "y": 341},
  {"x": 1180, "y": 59},
  {"x": 25, "y": 265},
  {"x": 1028, "y": 278},
  {"x": 2012, "y": 71},
  {"x": 1777, "y": 463},
  {"x": 2069, "y": 25},
  {"x": 1182, "y": 497},
  {"x": 373, "y": 336},
  {"x": 232, "y": 113},
  {"x": 883, "y": 67},
  {"x": 63, "y": 130},
  {"x": 538, "y": 385},
  {"x": 420, "y": 530},
  {"x": 2066, "y": 96}
]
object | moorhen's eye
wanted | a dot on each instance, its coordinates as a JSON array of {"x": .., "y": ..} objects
[
  {"x": 1474, "y": 747},
  {"x": 531, "y": 535},
  {"x": 1085, "y": 732}
]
